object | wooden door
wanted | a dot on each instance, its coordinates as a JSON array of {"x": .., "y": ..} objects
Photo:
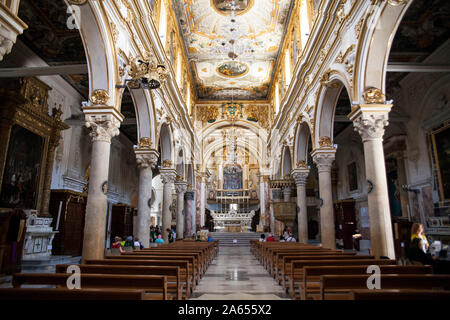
[
  {"x": 74, "y": 229},
  {"x": 348, "y": 223}
]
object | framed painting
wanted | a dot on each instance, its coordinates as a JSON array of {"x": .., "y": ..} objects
[
  {"x": 22, "y": 173},
  {"x": 441, "y": 149}
]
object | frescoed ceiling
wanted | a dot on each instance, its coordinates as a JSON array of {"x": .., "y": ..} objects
[{"x": 232, "y": 55}]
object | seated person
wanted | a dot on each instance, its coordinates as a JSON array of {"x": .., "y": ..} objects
[
  {"x": 418, "y": 248},
  {"x": 270, "y": 238},
  {"x": 290, "y": 238},
  {"x": 117, "y": 244},
  {"x": 262, "y": 238}
]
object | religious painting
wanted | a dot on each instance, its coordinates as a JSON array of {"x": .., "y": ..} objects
[
  {"x": 225, "y": 7},
  {"x": 232, "y": 69},
  {"x": 232, "y": 177},
  {"x": 20, "y": 187},
  {"x": 352, "y": 177},
  {"x": 441, "y": 146},
  {"x": 393, "y": 187}
]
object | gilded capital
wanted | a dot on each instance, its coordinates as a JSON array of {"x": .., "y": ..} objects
[
  {"x": 371, "y": 120},
  {"x": 167, "y": 163},
  {"x": 168, "y": 176},
  {"x": 324, "y": 159},
  {"x": 146, "y": 159},
  {"x": 103, "y": 129},
  {"x": 300, "y": 177}
]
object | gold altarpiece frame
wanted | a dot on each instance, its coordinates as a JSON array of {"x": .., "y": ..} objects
[{"x": 24, "y": 104}]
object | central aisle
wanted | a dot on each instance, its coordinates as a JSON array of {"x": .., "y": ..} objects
[{"x": 236, "y": 275}]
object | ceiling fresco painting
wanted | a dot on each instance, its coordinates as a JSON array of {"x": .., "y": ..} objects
[{"x": 232, "y": 46}]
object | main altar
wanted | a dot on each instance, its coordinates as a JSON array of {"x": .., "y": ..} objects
[{"x": 233, "y": 221}]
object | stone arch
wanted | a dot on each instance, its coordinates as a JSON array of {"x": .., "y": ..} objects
[
  {"x": 100, "y": 55},
  {"x": 301, "y": 143},
  {"x": 166, "y": 143},
  {"x": 286, "y": 161},
  {"x": 180, "y": 162},
  {"x": 374, "y": 45},
  {"x": 145, "y": 116},
  {"x": 326, "y": 108}
]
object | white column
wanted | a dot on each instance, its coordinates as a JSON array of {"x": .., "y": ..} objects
[
  {"x": 181, "y": 188},
  {"x": 146, "y": 160},
  {"x": 300, "y": 176},
  {"x": 324, "y": 159},
  {"x": 103, "y": 128},
  {"x": 168, "y": 178},
  {"x": 202, "y": 202},
  {"x": 370, "y": 120}
]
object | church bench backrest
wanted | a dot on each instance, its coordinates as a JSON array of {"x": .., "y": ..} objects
[
  {"x": 66, "y": 294},
  {"x": 398, "y": 294},
  {"x": 95, "y": 281},
  {"x": 172, "y": 273},
  {"x": 387, "y": 281}
]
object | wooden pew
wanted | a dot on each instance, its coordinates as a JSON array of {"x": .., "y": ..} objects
[
  {"x": 66, "y": 294},
  {"x": 186, "y": 269},
  {"x": 192, "y": 261},
  {"x": 296, "y": 274},
  {"x": 100, "y": 281},
  {"x": 174, "y": 285},
  {"x": 345, "y": 283},
  {"x": 398, "y": 294},
  {"x": 286, "y": 265},
  {"x": 311, "y": 275}
]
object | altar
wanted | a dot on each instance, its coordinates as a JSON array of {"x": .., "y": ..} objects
[{"x": 233, "y": 221}]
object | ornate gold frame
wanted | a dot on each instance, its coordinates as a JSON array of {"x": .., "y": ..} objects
[{"x": 24, "y": 103}]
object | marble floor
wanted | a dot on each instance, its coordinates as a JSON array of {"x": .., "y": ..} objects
[{"x": 235, "y": 274}]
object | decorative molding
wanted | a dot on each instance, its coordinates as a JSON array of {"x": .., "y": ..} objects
[
  {"x": 99, "y": 97},
  {"x": 168, "y": 176},
  {"x": 371, "y": 126},
  {"x": 325, "y": 142},
  {"x": 102, "y": 130},
  {"x": 167, "y": 164},
  {"x": 374, "y": 96},
  {"x": 300, "y": 177},
  {"x": 146, "y": 159}
]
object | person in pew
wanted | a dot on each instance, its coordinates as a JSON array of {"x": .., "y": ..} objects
[
  {"x": 210, "y": 239},
  {"x": 138, "y": 244},
  {"x": 170, "y": 235},
  {"x": 118, "y": 244},
  {"x": 418, "y": 248},
  {"x": 270, "y": 238},
  {"x": 129, "y": 242},
  {"x": 291, "y": 238},
  {"x": 159, "y": 239},
  {"x": 262, "y": 238}
]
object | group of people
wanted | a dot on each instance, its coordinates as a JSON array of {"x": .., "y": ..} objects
[{"x": 119, "y": 243}]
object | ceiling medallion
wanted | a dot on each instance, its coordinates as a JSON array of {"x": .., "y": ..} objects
[
  {"x": 226, "y": 7},
  {"x": 232, "y": 69}
]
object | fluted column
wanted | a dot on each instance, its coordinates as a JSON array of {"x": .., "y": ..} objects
[
  {"x": 202, "y": 201},
  {"x": 370, "y": 121},
  {"x": 146, "y": 159},
  {"x": 168, "y": 178},
  {"x": 181, "y": 188},
  {"x": 104, "y": 126},
  {"x": 300, "y": 176},
  {"x": 324, "y": 159},
  {"x": 189, "y": 213}
]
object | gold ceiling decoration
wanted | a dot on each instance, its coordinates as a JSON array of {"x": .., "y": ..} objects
[{"x": 207, "y": 113}]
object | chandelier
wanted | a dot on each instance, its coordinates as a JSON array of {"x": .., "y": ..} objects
[
  {"x": 145, "y": 73},
  {"x": 233, "y": 45}
]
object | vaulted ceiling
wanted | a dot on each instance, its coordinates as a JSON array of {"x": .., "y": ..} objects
[{"x": 232, "y": 53}]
